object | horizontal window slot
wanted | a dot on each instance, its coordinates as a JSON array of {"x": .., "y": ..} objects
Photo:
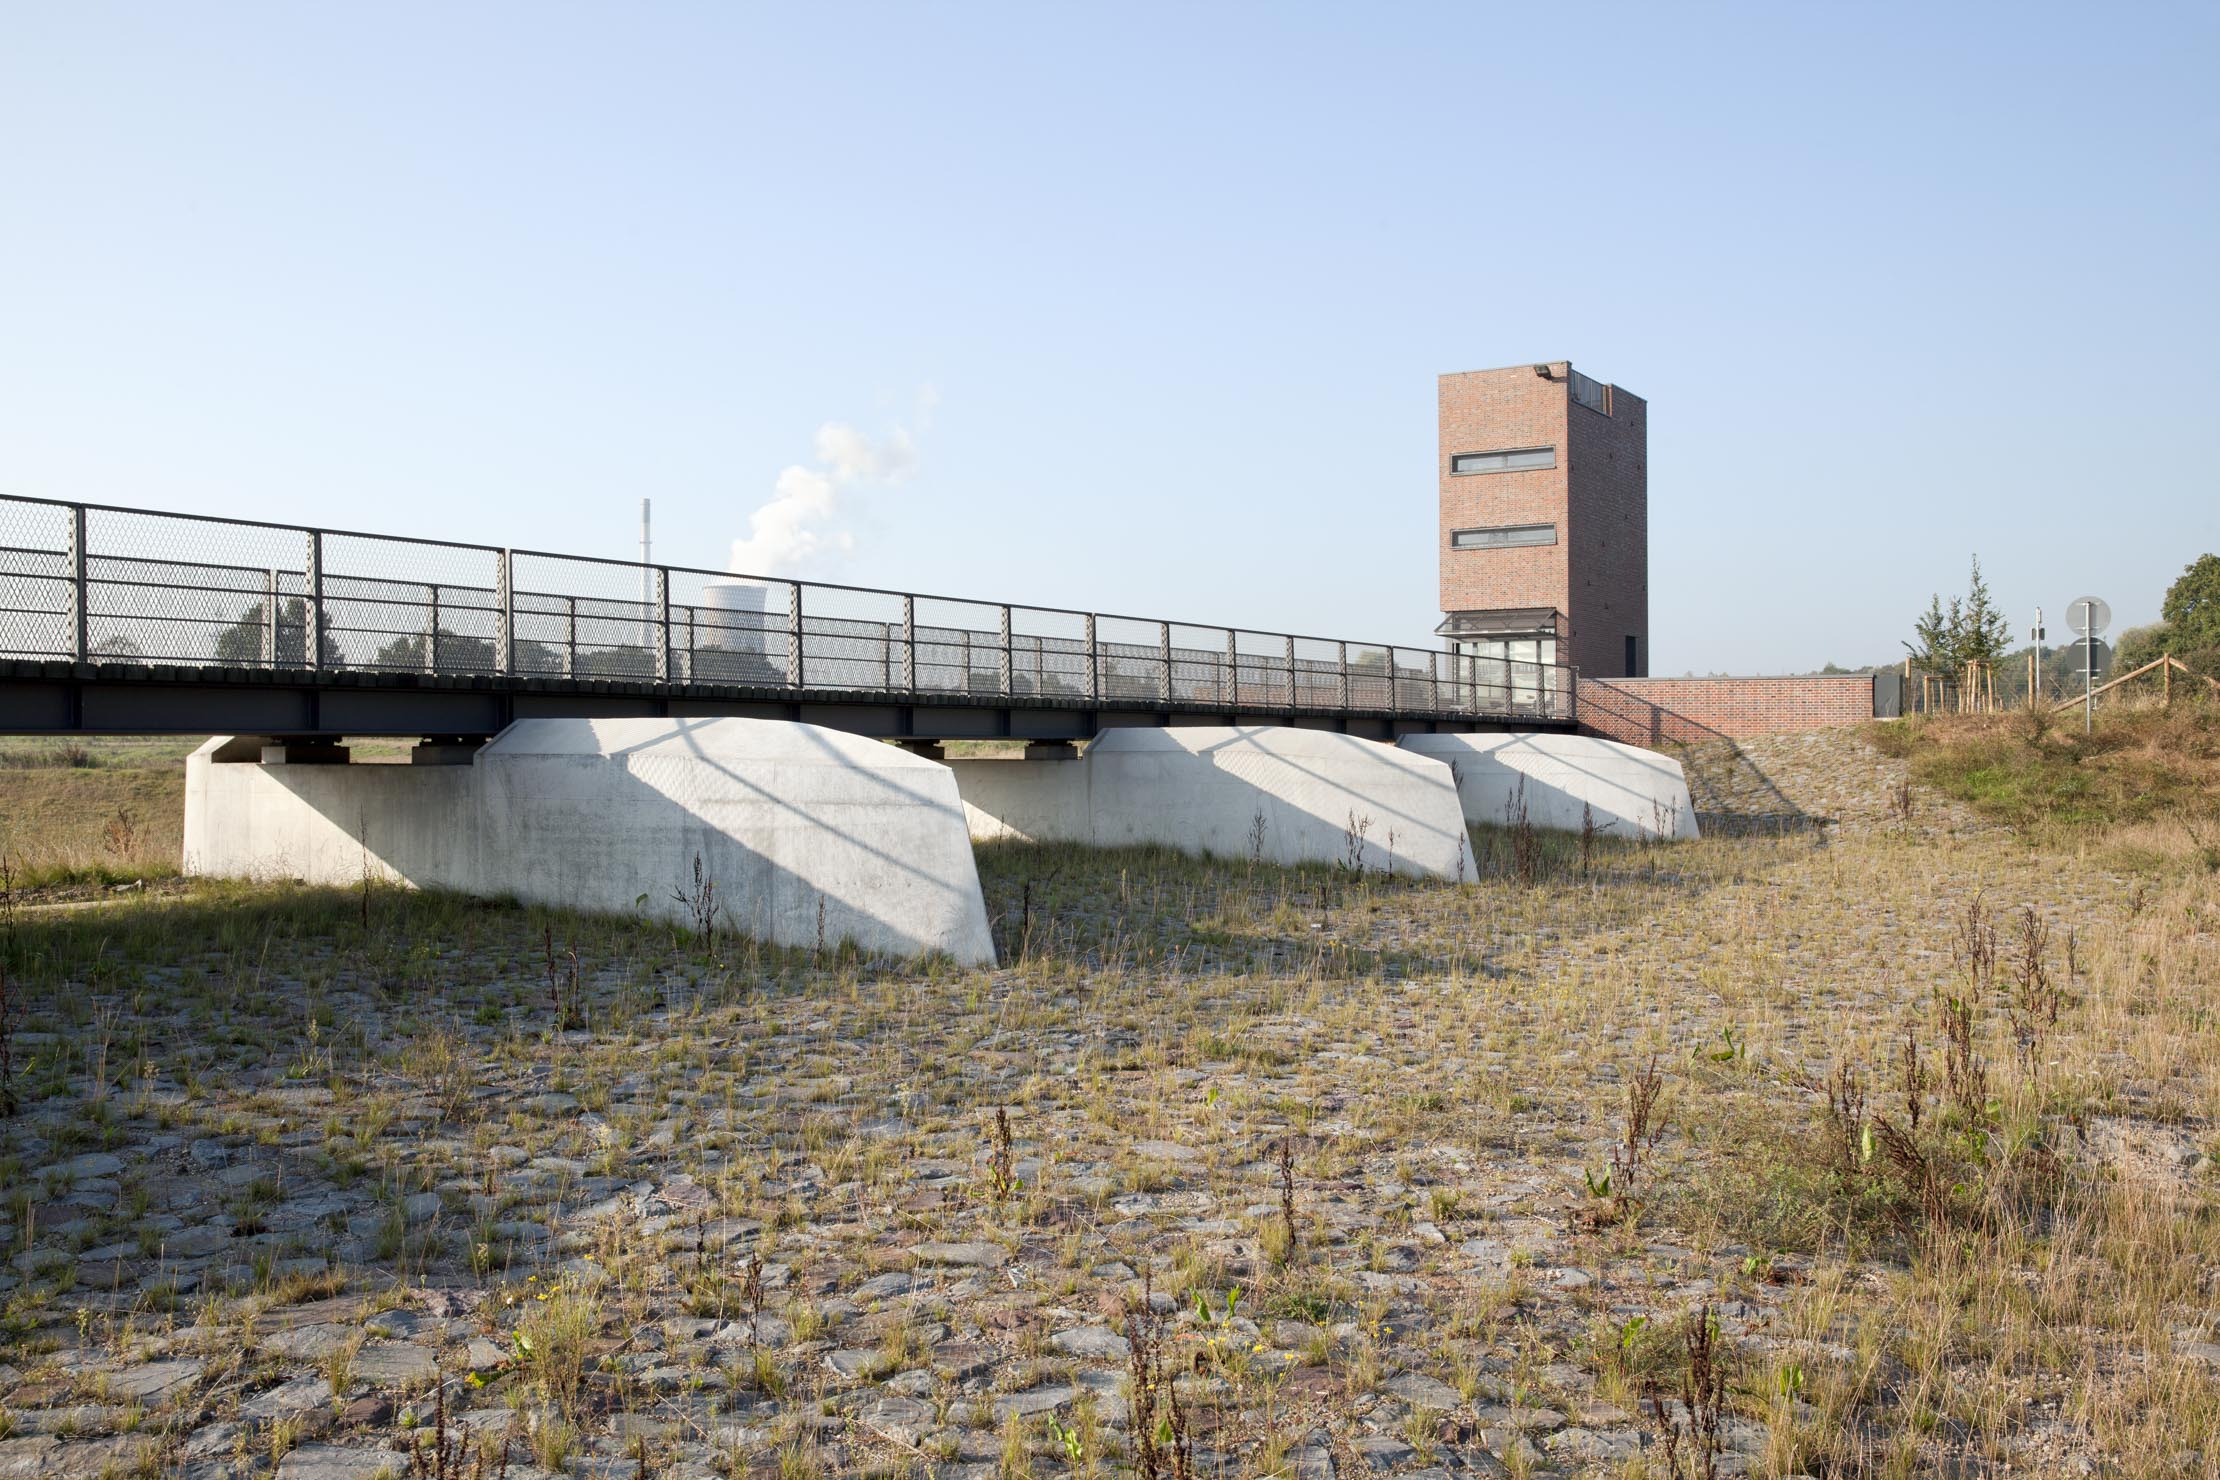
[
  {"x": 1510, "y": 460},
  {"x": 1503, "y": 537}
]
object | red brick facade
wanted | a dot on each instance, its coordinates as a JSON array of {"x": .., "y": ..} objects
[
  {"x": 1489, "y": 411},
  {"x": 1650, "y": 711},
  {"x": 1596, "y": 573}
]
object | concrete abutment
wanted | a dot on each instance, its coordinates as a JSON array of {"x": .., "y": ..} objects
[
  {"x": 1278, "y": 794},
  {"x": 807, "y": 834},
  {"x": 1627, "y": 791},
  {"x": 811, "y": 834}
]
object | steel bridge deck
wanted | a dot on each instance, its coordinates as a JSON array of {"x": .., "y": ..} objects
[{"x": 124, "y": 621}]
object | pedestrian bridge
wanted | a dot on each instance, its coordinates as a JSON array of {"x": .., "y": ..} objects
[{"x": 134, "y": 621}]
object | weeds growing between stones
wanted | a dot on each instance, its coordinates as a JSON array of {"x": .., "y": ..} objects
[
  {"x": 756, "y": 1189},
  {"x": 1691, "y": 1436}
]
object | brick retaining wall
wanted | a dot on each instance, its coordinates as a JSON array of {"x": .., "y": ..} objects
[{"x": 1651, "y": 711}]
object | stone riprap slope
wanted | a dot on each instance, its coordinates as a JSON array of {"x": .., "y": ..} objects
[{"x": 305, "y": 1180}]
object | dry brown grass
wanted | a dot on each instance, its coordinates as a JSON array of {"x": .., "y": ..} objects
[
  {"x": 2143, "y": 762},
  {"x": 120, "y": 818},
  {"x": 77, "y": 814}
]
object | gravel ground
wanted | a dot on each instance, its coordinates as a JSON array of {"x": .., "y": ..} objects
[{"x": 299, "y": 1192}]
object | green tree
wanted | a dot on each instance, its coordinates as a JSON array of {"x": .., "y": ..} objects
[
  {"x": 2192, "y": 606},
  {"x": 2140, "y": 645},
  {"x": 2190, "y": 630},
  {"x": 1968, "y": 630},
  {"x": 1983, "y": 633},
  {"x": 1936, "y": 632}
]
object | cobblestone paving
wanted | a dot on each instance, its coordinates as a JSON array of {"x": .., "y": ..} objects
[{"x": 310, "y": 1185}]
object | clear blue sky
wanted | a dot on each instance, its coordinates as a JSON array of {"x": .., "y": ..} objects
[{"x": 1159, "y": 292}]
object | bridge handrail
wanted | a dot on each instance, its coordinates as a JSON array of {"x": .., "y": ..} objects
[{"x": 295, "y": 603}]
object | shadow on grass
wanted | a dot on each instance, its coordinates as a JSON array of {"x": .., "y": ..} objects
[{"x": 1155, "y": 910}]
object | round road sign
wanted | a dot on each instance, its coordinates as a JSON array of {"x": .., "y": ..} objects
[{"x": 2088, "y": 615}]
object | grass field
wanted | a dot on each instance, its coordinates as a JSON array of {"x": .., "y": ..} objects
[
  {"x": 1874, "y": 1137},
  {"x": 93, "y": 812},
  {"x": 79, "y": 817}
]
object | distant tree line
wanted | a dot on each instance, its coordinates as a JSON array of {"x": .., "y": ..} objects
[
  {"x": 1950, "y": 634},
  {"x": 241, "y": 643},
  {"x": 1953, "y": 633}
]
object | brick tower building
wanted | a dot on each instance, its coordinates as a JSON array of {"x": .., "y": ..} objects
[{"x": 1544, "y": 523}]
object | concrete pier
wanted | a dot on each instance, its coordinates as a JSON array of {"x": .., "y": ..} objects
[
  {"x": 1276, "y": 794},
  {"x": 1630, "y": 792},
  {"x": 792, "y": 823}
]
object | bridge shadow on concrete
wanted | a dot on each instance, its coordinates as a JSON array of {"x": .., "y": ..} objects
[
  {"x": 1257, "y": 794},
  {"x": 811, "y": 874},
  {"x": 1335, "y": 804}
]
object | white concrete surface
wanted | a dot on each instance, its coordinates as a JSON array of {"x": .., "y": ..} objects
[
  {"x": 1630, "y": 791},
  {"x": 596, "y": 814},
  {"x": 327, "y": 824},
  {"x": 1286, "y": 795}
]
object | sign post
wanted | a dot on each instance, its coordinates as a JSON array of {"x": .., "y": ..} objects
[{"x": 2089, "y": 616}]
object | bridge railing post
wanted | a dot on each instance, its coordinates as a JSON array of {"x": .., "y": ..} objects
[
  {"x": 1094, "y": 663},
  {"x": 504, "y": 615},
  {"x": 909, "y": 644},
  {"x": 570, "y": 637},
  {"x": 1164, "y": 655},
  {"x": 1291, "y": 674},
  {"x": 269, "y": 618},
  {"x": 1002, "y": 664},
  {"x": 1233, "y": 669},
  {"x": 663, "y": 673},
  {"x": 431, "y": 627},
  {"x": 312, "y": 622},
  {"x": 1341, "y": 651},
  {"x": 794, "y": 669},
  {"x": 1394, "y": 680},
  {"x": 1433, "y": 681},
  {"x": 80, "y": 595}
]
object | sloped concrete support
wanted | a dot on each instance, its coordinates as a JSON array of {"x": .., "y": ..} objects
[
  {"x": 1631, "y": 792},
  {"x": 793, "y": 825},
  {"x": 1287, "y": 795}
]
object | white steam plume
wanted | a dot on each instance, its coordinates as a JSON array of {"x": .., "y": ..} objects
[{"x": 806, "y": 518}]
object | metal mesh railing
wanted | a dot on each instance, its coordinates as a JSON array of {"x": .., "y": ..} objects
[{"x": 90, "y": 583}]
